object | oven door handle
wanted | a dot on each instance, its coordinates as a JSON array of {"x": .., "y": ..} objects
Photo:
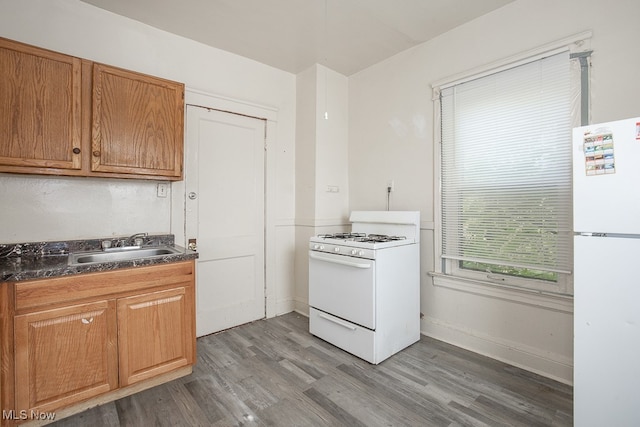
[
  {"x": 337, "y": 322},
  {"x": 340, "y": 261}
]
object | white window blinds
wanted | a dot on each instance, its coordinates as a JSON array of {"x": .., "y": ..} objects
[{"x": 506, "y": 167}]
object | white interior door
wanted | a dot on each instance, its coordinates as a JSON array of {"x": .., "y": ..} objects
[{"x": 224, "y": 183}]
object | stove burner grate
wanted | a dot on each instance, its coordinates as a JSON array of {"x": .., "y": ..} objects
[
  {"x": 362, "y": 237},
  {"x": 342, "y": 236},
  {"x": 379, "y": 238}
]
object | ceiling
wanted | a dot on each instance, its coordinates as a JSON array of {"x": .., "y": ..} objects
[{"x": 292, "y": 35}]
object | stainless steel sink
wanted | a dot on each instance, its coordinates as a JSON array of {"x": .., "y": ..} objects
[{"x": 79, "y": 258}]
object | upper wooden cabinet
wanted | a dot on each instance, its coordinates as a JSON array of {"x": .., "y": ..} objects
[
  {"x": 40, "y": 108},
  {"x": 137, "y": 123},
  {"x": 63, "y": 115}
]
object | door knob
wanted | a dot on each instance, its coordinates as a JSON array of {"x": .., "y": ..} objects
[{"x": 192, "y": 195}]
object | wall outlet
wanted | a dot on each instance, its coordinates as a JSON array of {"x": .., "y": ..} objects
[{"x": 163, "y": 189}]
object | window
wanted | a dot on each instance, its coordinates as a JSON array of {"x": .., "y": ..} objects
[{"x": 505, "y": 175}]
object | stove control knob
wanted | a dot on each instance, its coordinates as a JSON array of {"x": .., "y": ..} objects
[
  {"x": 354, "y": 252},
  {"x": 322, "y": 247},
  {"x": 316, "y": 247},
  {"x": 336, "y": 249},
  {"x": 361, "y": 253}
]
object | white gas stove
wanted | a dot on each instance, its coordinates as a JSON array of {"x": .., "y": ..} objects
[{"x": 364, "y": 286}]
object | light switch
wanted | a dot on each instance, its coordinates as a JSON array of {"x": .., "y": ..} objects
[{"x": 163, "y": 189}]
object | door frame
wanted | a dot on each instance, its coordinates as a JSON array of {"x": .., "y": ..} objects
[{"x": 202, "y": 99}]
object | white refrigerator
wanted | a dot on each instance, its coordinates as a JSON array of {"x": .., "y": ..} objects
[{"x": 606, "y": 224}]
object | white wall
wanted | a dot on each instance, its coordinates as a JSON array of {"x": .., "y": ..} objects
[
  {"x": 51, "y": 208},
  {"x": 321, "y": 147},
  {"x": 57, "y": 208},
  {"x": 322, "y": 187},
  {"x": 332, "y": 181},
  {"x": 306, "y": 145},
  {"x": 391, "y": 127}
]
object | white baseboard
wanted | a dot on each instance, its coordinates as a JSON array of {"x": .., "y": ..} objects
[
  {"x": 552, "y": 366},
  {"x": 302, "y": 307},
  {"x": 302, "y": 313},
  {"x": 285, "y": 306}
]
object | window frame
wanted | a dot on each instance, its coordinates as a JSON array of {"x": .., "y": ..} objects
[{"x": 449, "y": 269}]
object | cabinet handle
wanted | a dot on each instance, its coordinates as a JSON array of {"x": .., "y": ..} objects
[
  {"x": 96, "y": 153},
  {"x": 87, "y": 321},
  {"x": 76, "y": 150}
]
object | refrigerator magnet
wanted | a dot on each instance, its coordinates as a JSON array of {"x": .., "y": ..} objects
[{"x": 598, "y": 153}]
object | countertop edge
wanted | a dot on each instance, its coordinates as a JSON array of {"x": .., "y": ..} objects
[{"x": 30, "y": 265}]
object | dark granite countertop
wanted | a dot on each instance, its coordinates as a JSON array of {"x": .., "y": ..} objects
[{"x": 37, "y": 260}]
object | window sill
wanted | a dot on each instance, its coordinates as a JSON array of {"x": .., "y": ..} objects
[{"x": 549, "y": 301}]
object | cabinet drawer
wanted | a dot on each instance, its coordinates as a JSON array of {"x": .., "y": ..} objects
[
  {"x": 352, "y": 338},
  {"x": 62, "y": 290}
]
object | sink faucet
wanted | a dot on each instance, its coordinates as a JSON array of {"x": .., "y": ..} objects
[{"x": 137, "y": 239}]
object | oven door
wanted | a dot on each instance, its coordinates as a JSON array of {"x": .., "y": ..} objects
[{"x": 343, "y": 286}]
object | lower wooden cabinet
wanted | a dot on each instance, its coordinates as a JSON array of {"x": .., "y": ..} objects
[
  {"x": 65, "y": 355},
  {"x": 155, "y": 334},
  {"x": 81, "y": 338}
]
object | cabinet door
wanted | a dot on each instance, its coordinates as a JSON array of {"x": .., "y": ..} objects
[
  {"x": 156, "y": 333},
  {"x": 137, "y": 123},
  {"x": 40, "y": 111},
  {"x": 65, "y": 355}
]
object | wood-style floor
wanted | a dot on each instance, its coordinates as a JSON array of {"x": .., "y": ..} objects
[{"x": 274, "y": 373}]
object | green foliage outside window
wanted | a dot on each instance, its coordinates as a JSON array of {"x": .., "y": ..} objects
[{"x": 511, "y": 271}]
